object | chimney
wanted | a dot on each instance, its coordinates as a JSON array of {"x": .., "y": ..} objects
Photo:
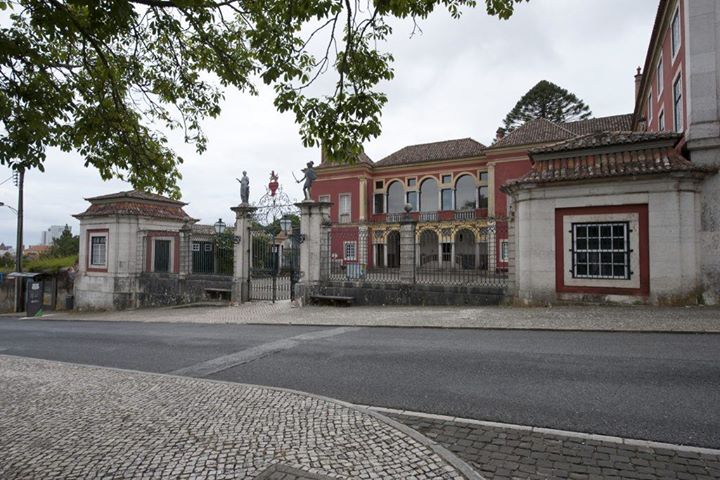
[
  {"x": 638, "y": 81},
  {"x": 500, "y": 134}
]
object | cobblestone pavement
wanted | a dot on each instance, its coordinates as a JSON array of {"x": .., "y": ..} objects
[
  {"x": 65, "y": 421},
  {"x": 614, "y": 318},
  {"x": 511, "y": 453}
]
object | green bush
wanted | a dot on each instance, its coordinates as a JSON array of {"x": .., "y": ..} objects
[{"x": 49, "y": 264}]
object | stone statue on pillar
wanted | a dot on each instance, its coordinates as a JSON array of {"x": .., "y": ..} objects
[
  {"x": 309, "y": 176},
  {"x": 244, "y": 188}
]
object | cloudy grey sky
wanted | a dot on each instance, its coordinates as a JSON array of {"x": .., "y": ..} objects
[{"x": 459, "y": 78}]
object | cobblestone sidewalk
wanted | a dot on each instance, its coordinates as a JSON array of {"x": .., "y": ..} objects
[
  {"x": 64, "y": 421},
  {"x": 511, "y": 453},
  {"x": 606, "y": 318}
]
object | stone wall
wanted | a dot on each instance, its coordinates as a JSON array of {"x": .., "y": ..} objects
[
  {"x": 401, "y": 294},
  {"x": 156, "y": 289},
  {"x": 673, "y": 217},
  {"x": 702, "y": 82}
]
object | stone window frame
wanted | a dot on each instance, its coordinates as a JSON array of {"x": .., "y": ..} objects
[
  {"x": 174, "y": 238},
  {"x": 353, "y": 244},
  {"x": 484, "y": 184},
  {"x": 675, "y": 42},
  {"x": 678, "y": 120},
  {"x": 650, "y": 107},
  {"x": 341, "y": 213},
  {"x": 660, "y": 75},
  {"x": 389, "y": 184},
  {"x": 97, "y": 233},
  {"x": 661, "y": 119},
  {"x": 637, "y": 215},
  {"x": 504, "y": 250}
]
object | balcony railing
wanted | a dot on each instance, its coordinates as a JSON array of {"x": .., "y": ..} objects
[
  {"x": 437, "y": 216},
  {"x": 428, "y": 217},
  {"x": 466, "y": 215}
]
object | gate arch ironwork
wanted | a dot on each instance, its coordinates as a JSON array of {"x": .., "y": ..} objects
[{"x": 274, "y": 246}]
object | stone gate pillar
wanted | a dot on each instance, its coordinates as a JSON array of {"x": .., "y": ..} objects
[
  {"x": 313, "y": 217},
  {"x": 241, "y": 253},
  {"x": 407, "y": 249}
]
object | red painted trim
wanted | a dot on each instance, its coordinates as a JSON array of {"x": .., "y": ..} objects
[
  {"x": 88, "y": 249},
  {"x": 176, "y": 249},
  {"x": 643, "y": 246}
]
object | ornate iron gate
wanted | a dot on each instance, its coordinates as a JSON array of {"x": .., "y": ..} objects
[{"x": 274, "y": 264}]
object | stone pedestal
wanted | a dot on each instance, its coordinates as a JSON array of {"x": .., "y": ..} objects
[
  {"x": 314, "y": 218},
  {"x": 241, "y": 251},
  {"x": 407, "y": 250}
]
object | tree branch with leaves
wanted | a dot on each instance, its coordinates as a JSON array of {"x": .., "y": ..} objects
[{"x": 111, "y": 79}]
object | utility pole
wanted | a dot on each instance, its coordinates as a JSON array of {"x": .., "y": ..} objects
[{"x": 18, "y": 248}]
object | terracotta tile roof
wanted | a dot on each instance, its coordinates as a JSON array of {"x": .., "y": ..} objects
[
  {"x": 138, "y": 208},
  {"x": 532, "y": 132},
  {"x": 587, "y": 164},
  {"x": 592, "y": 125},
  {"x": 37, "y": 248},
  {"x": 198, "y": 229},
  {"x": 604, "y": 139},
  {"x": 362, "y": 159},
  {"x": 428, "y": 152},
  {"x": 135, "y": 195},
  {"x": 544, "y": 131}
]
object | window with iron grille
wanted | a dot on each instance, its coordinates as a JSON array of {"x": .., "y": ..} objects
[
  {"x": 98, "y": 251},
  {"x": 601, "y": 250}
]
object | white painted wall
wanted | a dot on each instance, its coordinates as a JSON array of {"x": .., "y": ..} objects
[
  {"x": 125, "y": 256},
  {"x": 673, "y": 218}
]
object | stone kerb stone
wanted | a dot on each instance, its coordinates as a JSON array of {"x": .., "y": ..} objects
[{"x": 241, "y": 253}]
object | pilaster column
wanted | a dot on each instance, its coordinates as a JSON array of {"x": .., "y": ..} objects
[
  {"x": 185, "y": 267},
  {"x": 407, "y": 249},
  {"x": 241, "y": 251},
  {"x": 314, "y": 221}
]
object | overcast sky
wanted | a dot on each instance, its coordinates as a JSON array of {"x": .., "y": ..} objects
[{"x": 458, "y": 79}]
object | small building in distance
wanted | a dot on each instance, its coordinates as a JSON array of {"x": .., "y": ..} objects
[{"x": 55, "y": 231}]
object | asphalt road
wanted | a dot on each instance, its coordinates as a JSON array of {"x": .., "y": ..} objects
[{"x": 662, "y": 387}]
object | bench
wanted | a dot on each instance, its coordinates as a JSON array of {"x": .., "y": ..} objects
[
  {"x": 218, "y": 293},
  {"x": 332, "y": 299}
]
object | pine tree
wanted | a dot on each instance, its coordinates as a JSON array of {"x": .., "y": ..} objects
[
  {"x": 65, "y": 245},
  {"x": 549, "y": 101}
]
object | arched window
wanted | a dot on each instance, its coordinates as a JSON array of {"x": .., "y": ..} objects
[
  {"x": 429, "y": 195},
  {"x": 395, "y": 198},
  {"x": 465, "y": 193}
]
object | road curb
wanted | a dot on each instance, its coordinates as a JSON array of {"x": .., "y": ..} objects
[
  {"x": 441, "y": 451},
  {"x": 632, "y": 442}
]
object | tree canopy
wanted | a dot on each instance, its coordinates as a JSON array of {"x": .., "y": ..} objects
[
  {"x": 65, "y": 245},
  {"x": 549, "y": 101},
  {"x": 111, "y": 78}
]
